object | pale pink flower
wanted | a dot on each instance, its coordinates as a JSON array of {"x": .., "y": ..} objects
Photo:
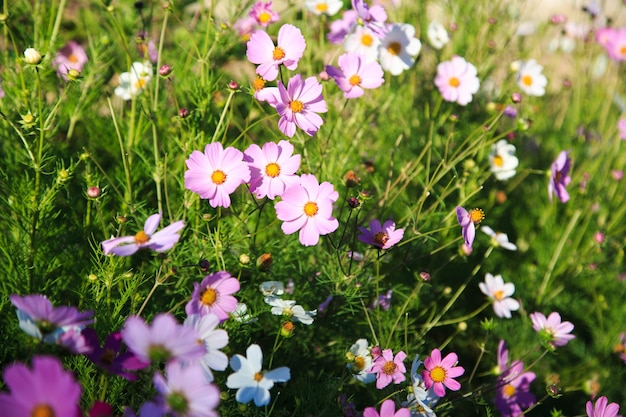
[
  {"x": 621, "y": 127},
  {"x": 213, "y": 295},
  {"x": 457, "y": 80},
  {"x": 216, "y": 173},
  {"x": 614, "y": 42},
  {"x": 307, "y": 207},
  {"x": 439, "y": 372},
  {"x": 355, "y": 73},
  {"x": 298, "y": 105},
  {"x": 272, "y": 168},
  {"x": 263, "y": 14},
  {"x": 602, "y": 408},
  {"x": 340, "y": 28},
  {"x": 552, "y": 329},
  {"x": 389, "y": 368},
  {"x": 71, "y": 56},
  {"x": 262, "y": 51}
]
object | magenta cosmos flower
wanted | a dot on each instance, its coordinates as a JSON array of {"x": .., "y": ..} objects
[
  {"x": 110, "y": 356},
  {"x": 71, "y": 57},
  {"x": 262, "y": 51},
  {"x": 272, "y": 168},
  {"x": 389, "y": 368},
  {"x": 513, "y": 393},
  {"x": 355, "y": 73},
  {"x": 382, "y": 237},
  {"x": 467, "y": 220},
  {"x": 551, "y": 329},
  {"x": 46, "y": 390},
  {"x": 165, "y": 340},
  {"x": 308, "y": 207},
  {"x": 457, "y": 80},
  {"x": 213, "y": 295},
  {"x": 439, "y": 372},
  {"x": 160, "y": 241},
  {"x": 601, "y": 408},
  {"x": 298, "y": 105},
  {"x": 263, "y": 14},
  {"x": 387, "y": 409},
  {"x": 216, "y": 173},
  {"x": 559, "y": 177}
]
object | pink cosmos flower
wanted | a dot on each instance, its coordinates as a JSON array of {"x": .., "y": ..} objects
[
  {"x": 71, "y": 56},
  {"x": 439, "y": 373},
  {"x": 298, "y": 105},
  {"x": 355, "y": 73},
  {"x": 457, "y": 80},
  {"x": 551, "y": 329},
  {"x": 216, "y": 173},
  {"x": 340, "y": 28},
  {"x": 614, "y": 42},
  {"x": 160, "y": 241},
  {"x": 45, "y": 390},
  {"x": 621, "y": 127},
  {"x": 372, "y": 17},
  {"x": 383, "y": 237},
  {"x": 389, "y": 368},
  {"x": 213, "y": 295},
  {"x": 308, "y": 207},
  {"x": 387, "y": 409},
  {"x": 467, "y": 220},
  {"x": 262, "y": 51},
  {"x": 560, "y": 178},
  {"x": 601, "y": 408},
  {"x": 272, "y": 168},
  {"x": 263, "y": 14}
]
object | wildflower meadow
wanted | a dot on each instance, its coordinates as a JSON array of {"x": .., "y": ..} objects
[{"x": 312, "y": 208}]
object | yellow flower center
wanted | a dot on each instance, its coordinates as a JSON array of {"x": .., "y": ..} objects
[
  {"x": 527, "y": 80},
  {"x": 72, "y": 58},
  {"x": 498, "y": 295},
  {"x": 509, "y": 390},
  {"x": 140, "y": 83},
  {"x": 394, "y": 48},
  {"x": 258, "y": 376},
  {"x": 311, "y": 209},
  {"x": 265, "y": 17},
  {"x": 438, "y": 374},
  {"x": 622, "y": 50},
  {"x": 272, "y": 169},
  {"x": 296, "y": 106},
  {"x": 258, "y": 83},
  {"x": 359, "y": 363},
  {"x": 389, "y": 368},
  {"x": 498, "y": 161},
  {"x": 218, "y": 177},
  {"x": 321, "y": 7},
  {"x": 42, "y": 410},
  {"x": 381, "y": 238},
  {"x": 355, "y": 80},
  {"x": 141, "y": 238},
  {"x": 278, "y": 53},
  {"x": 367, "y": 40},
  {"x": 208, "y": 297},
  {"x": 454, "y": 82},
  {"x": 476, "y": 215}
]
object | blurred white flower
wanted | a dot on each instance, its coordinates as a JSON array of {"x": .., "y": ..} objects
[
  {"x": 327, "y": 7},
  {"x": 133, "y": 82},
  {"x": 399, "y": 48},
  {"x": 241, "y": 314},
  {"x": 290, "y": 309},
  {"x": 359, "y": 361},
  {"x": 530, "y": 78},
  {"x": 500, "y": 293},
  {"x": 272, "y": 288},
  {"x": 363, "y": 41},
  {"x": 437, "y": 35},
  {"x": 498, "y": 238},
  {"x": 32, "y": 56},
  {"x": 503, "y": 160}
]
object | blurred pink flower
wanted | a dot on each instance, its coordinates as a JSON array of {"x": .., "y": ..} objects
[
  {"x": 307, "y": 207},
  {"x": 298, "y": 105},
  {"x": 614, "y": 42},
  {"x": 559, "y": 177},
  {"x": 371, "y": 17},
  {"x": 513, "y": 394},
  {"x": 272, "y": 168},
  {"x": 439, "y": 372},
  {"x": 467, "y": 220},
  {"x": 602, "y": 408},
  {"x": 263, "y": 14},
  {"x": 340, "y": 28},
  {"x": 216, "y": 173},
  {"x": 288, "y": 51},
  {"x": 387, "y": 409},
  {"x": 382, "y": 237},
  {"x": 552, "y": 329},
  {"x": 457, "y": 80},
  {"x": 71, "y": 56},
  {"x": 213, "y": 295},
  {"x": 355, "y": 73},
  {"x": 621, "y": 127},
  {"x": 389, "y": 368}
]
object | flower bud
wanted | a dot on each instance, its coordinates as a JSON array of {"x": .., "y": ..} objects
[
  {"x": 233, "y": 85},
  {"x": 204, "y": 265},
  {"x": 244, "y": 259},
  {"x": 264, "y": 262},
  {"x": 554, "y": 390},
  {"x": 353, "y": 202},
  {"x": 424, "y": 276},
  {"x": 165, "y": 70},
  {"x": 183, "y": 113},
  {"x": 516, "y": 97},
  {"x": 286, "y": 330},
  {"x": 351, "y": 179},
  {"x": 93, "y": 192},
  {"x": 32, "y": 56}
]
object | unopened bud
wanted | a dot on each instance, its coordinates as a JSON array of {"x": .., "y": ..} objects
[
  {"x": 516, "y": 97},
  {"x": 93, "y": 192},
  {"x": 32, "y": 56},
  {"x": 264, "y": 262},
  {"x": 183, "y": 113},
  {"x": 204, "y": 265},
  {"x": 286, "y": 330},
  {"x": 244, "y": 259},
  {"x": 353, "y": 202},
  {"x": 554, "y": 390},
  {"x": 233, "y": 85},
  {"x": 165, "y": 70},
  {"x": 351, "y": 179},
  {"x": 424, "y": 276}
]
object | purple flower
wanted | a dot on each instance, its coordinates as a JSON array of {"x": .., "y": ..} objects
[
  {"x": 288, "y": 51},
  {"x": 71, "y": 56},
  {"x": 272, "y": 168},
  {"x": 213, "y": 295},
  {"x": 216, "y": 173},
  {"x": 160, "y": 241},
  {"x": 601, "y": 408},
  {"x": 383, "y": 301},
  {"x": 46, "y": 390},
  {"x": 39, "y": 319},
  {"x": 467, "y": 220},
  {"x": 457, "y": 80},
  {"x": 382, "y": 237},
  {"x": 298, "y": 105},
  {"x": 513, "y": 393},
  {"x": 552, "y": 330},
  {"x": 389, "y": 368},
  {"x": 559, "y": 177},
  {"x": 355, "y": 73},
  {"x": 372, "y": 17},
  {"x": 110, "y": 356},
  {"x": 165, "y": 340},
  {"x": 308, "y": 207},
  {"x": 340, "y": 28}
]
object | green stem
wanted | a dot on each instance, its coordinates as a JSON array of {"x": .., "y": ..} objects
[
  {"x": 223, "y": 115},
  {"x": 57, "y": 24},
  {"x": 128, "y": 193}
]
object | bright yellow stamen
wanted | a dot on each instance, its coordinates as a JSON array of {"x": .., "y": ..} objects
[
  {"x": 394, "y": 48},
  {"x": 272, "y": 169},
  {"x": 454, "y": 82},
  {"x": 438, "y": 374},
  {"x": 527, "y": 80},
  {"x": 622, "y": 50},
  {"x": 258, "y": 83},
  {"x": 476, "y": 215},
  {"x": 321, "y": 7},
  {"x": 296, "y": 106},
  {"x": 311, "y": 209},
  {"x": 498, "y": 161},
  {"x": 258, "y": 376},
  {"x": 278, "y": 53},
  {"x": 208, "y": 297},
  {"x": 264, "y": 18},
  {"x": 381, "y": 238},
  {"x": 367, "y": 40},
  {"x": 218, "y": 177},
  {"x": 42, "y": 410},
  {"x": 140, "y": 83},
  {"x": 509, "y": 390},
  {"x": 355, "y": 80},
  {"x": 141, "y": 238},
  {"x": 389, "y": 368},
  {"x": 498, "y": 295},
  {"x": 359, "y": 363}
]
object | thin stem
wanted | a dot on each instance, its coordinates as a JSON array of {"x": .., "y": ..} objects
[
  {"x": 223, "y": 115},
  {"x": 480, "y": 356},
  {"x": 57, "y": 24},
  {"x": 157, "y": 283}
]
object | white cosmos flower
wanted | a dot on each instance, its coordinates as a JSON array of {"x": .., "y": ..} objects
[
  {"x": 437, "y": 35},
  {"x": 398, "y": 49},
  {"x": 241, "y": 314},
  {"x": 327, "y": 7},
  {"x": 499, "y": 292},
  {"x": 269, "y": 288},
  {"x": 530, "y": 78},
  {"x": 363, "y": 41},
  {"x": 420, "y": 401},
  {"x": 133, "y": 82},
  {"x": 290, "y": 309},
  {"x": 503, "y": 160},
  {"x": 498, "y": 238},
  {"x": 213, "y": 340},
  {"x": 360, "y": 360}
]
